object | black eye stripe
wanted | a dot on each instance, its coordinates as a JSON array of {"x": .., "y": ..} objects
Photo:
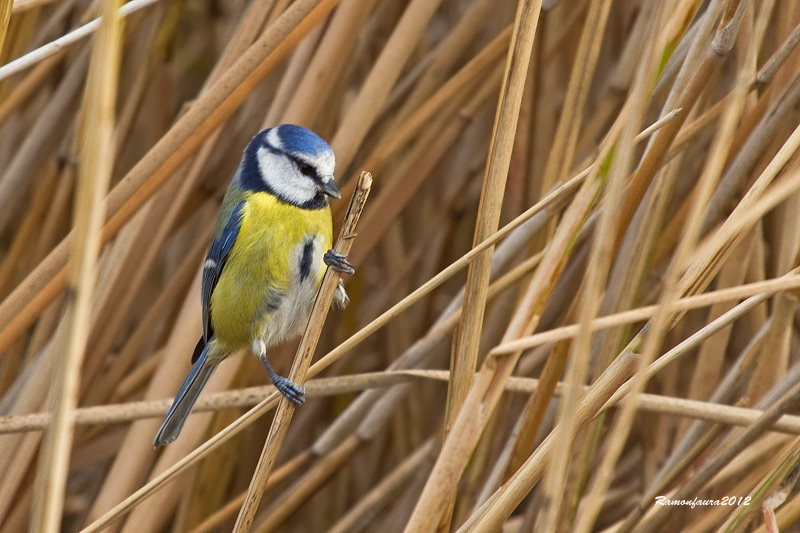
[
  {"x": 306, "y": 169},
  {"x": 302, "y": 166}
]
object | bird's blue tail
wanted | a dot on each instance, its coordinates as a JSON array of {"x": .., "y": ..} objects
[{"x": 185, "y": 399}]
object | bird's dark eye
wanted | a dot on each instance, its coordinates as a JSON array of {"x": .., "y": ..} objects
[{"x": 307, "y": 169}]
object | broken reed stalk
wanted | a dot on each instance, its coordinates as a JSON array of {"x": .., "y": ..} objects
[
  {"x": 94, "y": 173},
  {"x": 302, "y": 360}
]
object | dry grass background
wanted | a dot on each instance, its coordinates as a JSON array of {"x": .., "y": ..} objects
[{"x": 577, "y": 272}]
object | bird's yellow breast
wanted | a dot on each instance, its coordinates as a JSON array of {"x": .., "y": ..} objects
[{"x": 262, "y": 274}]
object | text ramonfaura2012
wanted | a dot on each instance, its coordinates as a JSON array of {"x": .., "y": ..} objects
[{"x": 697, "y": 502}]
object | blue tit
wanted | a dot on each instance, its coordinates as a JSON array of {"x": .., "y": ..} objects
[{"x": 266, "y": 262}]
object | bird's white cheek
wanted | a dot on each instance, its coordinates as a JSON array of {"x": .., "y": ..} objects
[{"x": 283, "y": 178}]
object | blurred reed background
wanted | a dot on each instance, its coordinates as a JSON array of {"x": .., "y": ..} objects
[{"x": 634, "y": 333}]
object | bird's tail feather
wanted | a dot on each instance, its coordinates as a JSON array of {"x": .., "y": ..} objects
[{"x": 185, "y": 399}]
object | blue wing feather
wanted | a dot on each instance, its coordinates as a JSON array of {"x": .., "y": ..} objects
[{"x": 215, "y": 262}]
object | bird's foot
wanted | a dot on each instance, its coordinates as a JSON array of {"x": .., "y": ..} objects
[
  {"x": 290, "y": 389},
  {"x": 338, "y": 262},
  {"x": 285, "y": 386}
]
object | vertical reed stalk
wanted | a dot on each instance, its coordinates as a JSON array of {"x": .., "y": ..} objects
[{"x": 94, "y": 173}]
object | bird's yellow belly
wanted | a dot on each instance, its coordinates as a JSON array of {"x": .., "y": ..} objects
[{"x": 269, "y": 282}]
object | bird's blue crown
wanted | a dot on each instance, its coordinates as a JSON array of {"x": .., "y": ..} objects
[{"x": 300, "y": 140}]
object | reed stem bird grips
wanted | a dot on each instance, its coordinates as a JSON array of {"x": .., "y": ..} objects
[{"x": 305, "y": 351}]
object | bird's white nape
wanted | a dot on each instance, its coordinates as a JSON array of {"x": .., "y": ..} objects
[
  {"x": 284, "y": 179},
  {"x": 274, "y": 139}
]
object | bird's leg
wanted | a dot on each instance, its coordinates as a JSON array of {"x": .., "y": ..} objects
[
  {"x": 288, "y": 388},
  {"x": 338, "y": 262}
]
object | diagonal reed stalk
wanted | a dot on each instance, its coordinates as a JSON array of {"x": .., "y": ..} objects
[{"x": 302, "y": 361}]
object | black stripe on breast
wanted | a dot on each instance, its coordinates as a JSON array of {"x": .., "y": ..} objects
[{"x": 305, "y": 261}]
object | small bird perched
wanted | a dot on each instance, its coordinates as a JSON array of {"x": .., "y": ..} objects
[{"x": 266, "y": 261}]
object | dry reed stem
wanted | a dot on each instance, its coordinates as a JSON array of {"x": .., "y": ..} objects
[
  {"x": 500, "y": 505},
  {"x": 282, "y": 473},
  {"x": 41, "y": 140},
  {"x": 766, "y": 489},
  {"x": 682, "y": 457},
  {"x": 402, "y": 183},
  {"x": 416, "y": 121},
  {"x": 762, "y": 288},
  {"x": 767, "y": 72},
  {"x": 52, "y": 48},
  {"x": 414, "y": 356},
  {"x": 487, "y": 388},
  {"x": 295, "y": 495},
  {"x": 27, "y": 229},
  {"x": 23, "y": 5},
  {"x": 6, "y": 7},
  {"x": 445, "y": 56},
  {"x": 722, "y": 457},
  {"x": 360, "y": 515},
  {"x": 302, "y": 361},
  {"x": 355, "y": 126},
  {"x": 137, "y": 340},
  {"x": 601, "y": 257},
  {"x": 646, "y": 171},
  {"x": 323, "y": 387},
  {"x": 684, "y": 454},
  {"x": 562, "y": 150},
  {"x": 671, "y": 292},
  {"x": 334, "y": 48},
  {"x": 24, "y": 90},
  {"x": 136, "y": 454},
  {"x": 673, "y": 122},
  {"x": 710, "y": 359},
  {"x": 96, "y": 162},
  {"x": 464, "y": 355},
  {"x": 293, "y": 75}
]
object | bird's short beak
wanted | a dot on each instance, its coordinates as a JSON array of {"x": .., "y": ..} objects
[{"x": 329, "y": 187}]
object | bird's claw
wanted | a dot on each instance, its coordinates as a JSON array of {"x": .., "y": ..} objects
[
  {"x": 285, "y": 386},
  {"x": 290, "y": 389},
  {"x": 338, "y": 262}
]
